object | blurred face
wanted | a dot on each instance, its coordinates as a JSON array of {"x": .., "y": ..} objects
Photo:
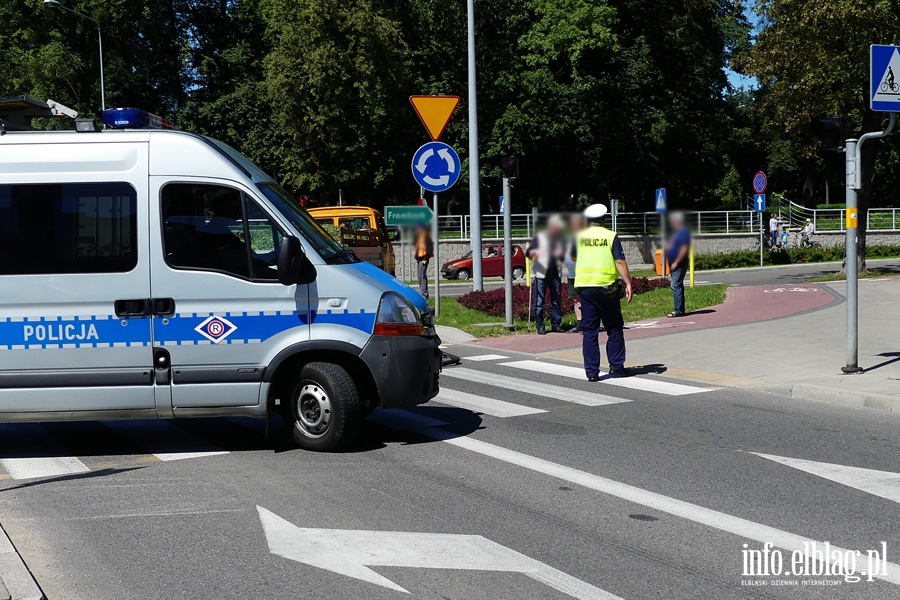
[{"x": 576, "y": 223}]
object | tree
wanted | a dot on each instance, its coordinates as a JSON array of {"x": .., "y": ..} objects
[
  {"x": 337, "y": 78},
  {"x": 811, "y": 59}
]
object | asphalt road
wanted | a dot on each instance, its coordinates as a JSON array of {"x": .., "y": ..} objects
[
  {"x": 521, "y": 481},
  {"x": 786, "y": 274}
]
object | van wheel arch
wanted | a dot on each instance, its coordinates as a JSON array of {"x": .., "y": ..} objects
[{"x": 284, "y": 372}]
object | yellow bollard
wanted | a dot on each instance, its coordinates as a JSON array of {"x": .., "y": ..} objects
[{"x": 691, "y": 264}]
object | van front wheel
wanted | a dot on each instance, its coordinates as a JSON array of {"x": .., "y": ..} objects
[{"x": 324, "y": 410}]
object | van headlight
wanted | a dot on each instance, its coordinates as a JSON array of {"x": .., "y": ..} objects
[{"x": 398, "y": 316}]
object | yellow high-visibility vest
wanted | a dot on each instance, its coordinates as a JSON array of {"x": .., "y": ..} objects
[{"x": 596, "y": 266}]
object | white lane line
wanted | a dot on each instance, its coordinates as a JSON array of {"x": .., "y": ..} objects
[
  {"x": 480, "y": 404},
  {"x": 482, "y": 357},
  {"x": 156, "y": 436},
  {"x": 635, "y": 383},
  {"x": 403, "y": 419},
  {"x": 532, "y": 387},
  {"x": 878, "y": 483},
  {"x": 737, "y": 526},
  {"x": 51, "y": 466}
]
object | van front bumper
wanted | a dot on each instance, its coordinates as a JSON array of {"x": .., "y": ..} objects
[{"x": 405, "y": 368}]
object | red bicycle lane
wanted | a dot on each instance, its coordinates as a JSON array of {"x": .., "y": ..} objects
[{"x": 744, "y": 304}]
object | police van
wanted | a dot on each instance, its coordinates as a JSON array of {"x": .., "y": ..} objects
[{"x": 155, "y": 273}]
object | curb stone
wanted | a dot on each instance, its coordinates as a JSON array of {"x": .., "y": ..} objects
[
  {"x": 16, "y": 582},
  {"x": 832, "y": 395}
]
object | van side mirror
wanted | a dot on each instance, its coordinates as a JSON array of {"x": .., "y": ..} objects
[{"x": 293, "y": 265}]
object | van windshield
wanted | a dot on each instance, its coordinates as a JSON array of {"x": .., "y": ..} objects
[{"x": 324, "y": 245}]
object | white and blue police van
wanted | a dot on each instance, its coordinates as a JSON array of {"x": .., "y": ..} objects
[{"x": 155, "y": 273}]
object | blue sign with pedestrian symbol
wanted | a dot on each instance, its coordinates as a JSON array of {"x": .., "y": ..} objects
[
  {"x": 436, "y": 167},
  {"x": 759, "y": 202},
  {"x": 884, "y": 68},
  {"x": 661, "y": 200}
]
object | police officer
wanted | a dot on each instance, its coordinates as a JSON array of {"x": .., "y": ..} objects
[{"x": 600, "y": 262}]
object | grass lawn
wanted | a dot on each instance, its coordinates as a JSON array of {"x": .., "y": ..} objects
[
  {"x": 841, "y": 277},
  {"x": 651, "y": 305}
]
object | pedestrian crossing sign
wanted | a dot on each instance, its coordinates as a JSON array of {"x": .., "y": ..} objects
[
  {"x": 884, "y": 64},
  {"x": 661, "y": 200}
]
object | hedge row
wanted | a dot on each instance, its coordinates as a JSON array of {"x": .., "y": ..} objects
[
  {"x": 750, "y": 258},
  {"x": 493, "y": 302}
]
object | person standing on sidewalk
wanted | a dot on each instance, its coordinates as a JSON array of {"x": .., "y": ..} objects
[
  {"x": 678, "y": 254},
  {"x": 547, "y": 249},
  {"x": 424, "y": 250},
  {"x": 601, "y": 262},
  {"x": 773, "y": 229},
  {"x": 576, "y": 224}
]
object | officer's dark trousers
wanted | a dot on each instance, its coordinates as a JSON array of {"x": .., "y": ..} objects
[{"x": 598, "y": 306}]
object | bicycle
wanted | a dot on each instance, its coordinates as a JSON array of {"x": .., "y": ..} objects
[{"x": 890, "y": 85}]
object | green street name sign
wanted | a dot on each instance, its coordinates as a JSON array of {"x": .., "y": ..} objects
[{"x": 407, "y": 216}]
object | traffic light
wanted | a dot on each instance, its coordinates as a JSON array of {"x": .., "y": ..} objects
[
  {"x": 510, "y": 167},
  {"x": 830, "y": 132}
]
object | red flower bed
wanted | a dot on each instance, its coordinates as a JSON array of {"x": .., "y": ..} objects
[{"x": 493, "y": 302}]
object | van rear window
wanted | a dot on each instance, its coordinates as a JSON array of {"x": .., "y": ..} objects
[{"x": 60, "y": 228}]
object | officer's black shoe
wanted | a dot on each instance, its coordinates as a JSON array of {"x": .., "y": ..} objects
[
  {"x": 593, "y": 379},
  {"x": 556, "y": 330},
  {"x": 622, "y": 372},
  {"x": 542, "y": 332}
]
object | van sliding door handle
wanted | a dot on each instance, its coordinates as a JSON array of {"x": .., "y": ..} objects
[
  {"x": 163, "y": 307},
  {"x": 139, "y": 307}
]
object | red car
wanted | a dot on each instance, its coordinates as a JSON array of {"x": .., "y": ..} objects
[{"x": 491, "y": 263}]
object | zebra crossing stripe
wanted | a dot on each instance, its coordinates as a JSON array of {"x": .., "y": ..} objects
[
  {"x": 532, "y": 387},
  {"x": 49, "y": 466},
  {"x": 483, "y": 357},
  {"x": 635, "y": 383},
  {"x": 480, "y": 404},
  {"x": 165, "y": 441}
]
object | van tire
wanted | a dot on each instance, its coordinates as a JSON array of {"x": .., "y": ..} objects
[
  {"x": 518, "y": 272},
  {"x": 324, "y": 411}
]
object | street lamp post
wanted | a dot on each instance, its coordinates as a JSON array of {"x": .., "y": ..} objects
[
  {"x": 474, "y": 191},
  {"x": 57, "y": 4}
]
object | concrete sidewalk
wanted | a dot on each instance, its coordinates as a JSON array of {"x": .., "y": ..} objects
[{"x": 798, "y": 356}]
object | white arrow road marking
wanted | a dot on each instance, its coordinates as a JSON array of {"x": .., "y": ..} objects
[
  {"x": 489, "y": 406},
  {"x": 742, "y": 528},
  {"x": 532, "y": 387},
  {"x": 352, "y": 552},
  {"x": 423, "y": 158},
  {"x": 878, "y": 483},
  {"x": 442, "y": 180},
  {"x": 635, "y": 383},
  {"x": 445, "y": 154}
]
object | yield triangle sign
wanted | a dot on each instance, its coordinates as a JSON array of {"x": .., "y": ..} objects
[
  {"x": 434, "y": 112},
  {"x": 888, "y": 88}
]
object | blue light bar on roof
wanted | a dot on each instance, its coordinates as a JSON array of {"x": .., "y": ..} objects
[{"x": 134, "y": 118}]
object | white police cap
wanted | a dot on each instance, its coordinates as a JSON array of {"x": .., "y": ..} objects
[{"x": 595, "y": 211}]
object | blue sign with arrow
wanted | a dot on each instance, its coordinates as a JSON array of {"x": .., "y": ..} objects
[
  {"x": 436, "y": 167},
  {"x": 759, "y": 202},
  {"x": 884, "y": 70},
  {"x": 661, "y": 200}
]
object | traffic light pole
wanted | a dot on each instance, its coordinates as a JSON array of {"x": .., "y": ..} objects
[
  {"x": 507, "y": 251},
  {"x": 853, "y": 162}
]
